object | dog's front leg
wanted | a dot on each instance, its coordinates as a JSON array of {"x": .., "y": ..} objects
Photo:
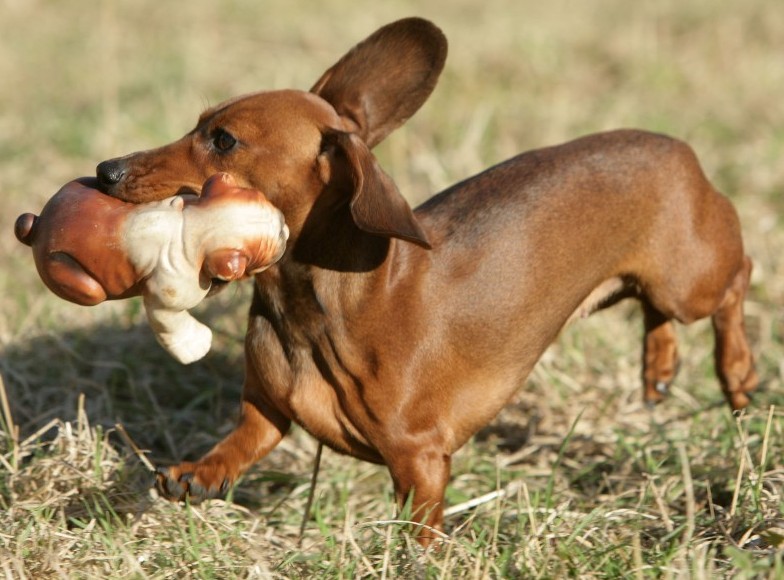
[
  {"x": 259, "y": 430},
  {"x": 420, "y": 479}
]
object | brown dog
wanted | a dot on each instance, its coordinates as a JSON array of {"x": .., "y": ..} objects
[{"x": 392, "y": 335}]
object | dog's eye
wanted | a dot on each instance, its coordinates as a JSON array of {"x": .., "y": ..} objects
[{"x": 223, "y": 141}]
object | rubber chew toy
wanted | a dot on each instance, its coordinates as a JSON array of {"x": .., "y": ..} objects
[{"x": 90, "y": 247}]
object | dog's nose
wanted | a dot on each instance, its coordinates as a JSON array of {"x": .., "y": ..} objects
[{"x": 110, "y": 172}]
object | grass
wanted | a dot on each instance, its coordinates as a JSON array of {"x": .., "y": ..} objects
[{"x": 575, "y": 477}]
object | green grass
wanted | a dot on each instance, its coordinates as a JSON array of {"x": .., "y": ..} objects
[{"x": 574, "y": 478}]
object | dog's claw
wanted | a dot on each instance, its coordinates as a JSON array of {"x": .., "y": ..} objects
[
  {"x": 197, "y": 492},
  {"x": 185, "y": 486},
  {"x": 169, "y": 487},
  {"x": 201, "y": 492},
  {"x": 173, "y": 489}
]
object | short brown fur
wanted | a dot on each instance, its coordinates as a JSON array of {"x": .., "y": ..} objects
[{"x": 393, "y": 335}]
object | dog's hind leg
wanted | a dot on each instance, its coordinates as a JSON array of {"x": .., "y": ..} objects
[
  {"x": 719, "y": 293},
  {"x": 660, "y": 353},
  {"x": 734, "y": 361}
]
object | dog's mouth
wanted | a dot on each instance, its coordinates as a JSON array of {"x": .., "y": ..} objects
[
  {"x": 188, "y": 190},
  {"x": 140, "y": 194},
  {"x": 216, "y": 286}
]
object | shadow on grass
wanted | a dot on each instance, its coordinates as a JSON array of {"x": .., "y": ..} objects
[
  {"x": 126, "y": 377},
  {"x": 172, "y": 412}
]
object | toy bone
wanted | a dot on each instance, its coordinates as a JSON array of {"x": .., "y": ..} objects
[{"x": 89, "y": 247}]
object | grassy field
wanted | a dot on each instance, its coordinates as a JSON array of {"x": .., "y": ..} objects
[{"x": 575, "y": 478}]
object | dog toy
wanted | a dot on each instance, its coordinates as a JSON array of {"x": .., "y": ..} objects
[{"x": 89, "y": 247}]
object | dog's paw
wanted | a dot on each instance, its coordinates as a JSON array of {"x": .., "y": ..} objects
[
  {"x": 657, "y": 382},
  {"x": 192, "y": 481}
]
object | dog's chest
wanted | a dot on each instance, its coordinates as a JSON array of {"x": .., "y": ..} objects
[{"x": 304, "y": 382}]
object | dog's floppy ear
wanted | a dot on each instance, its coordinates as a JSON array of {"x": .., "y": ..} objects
[
  {"x": 376, "y": 205},
  {"x": 384, "y": 79}
]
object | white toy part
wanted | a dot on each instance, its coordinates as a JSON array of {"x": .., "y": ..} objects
[
  {"x": 169, "y": 241},
  {"x": 184, "y": 337}
]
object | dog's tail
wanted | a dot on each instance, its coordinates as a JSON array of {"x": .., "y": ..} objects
[{"x": 25, "y": 228}]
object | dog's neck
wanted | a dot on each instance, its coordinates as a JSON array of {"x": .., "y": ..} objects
[
  {"x": 330, "y": 260},
  {"x": 330, "y": 240},
  {"x": 332, "y": 266}
]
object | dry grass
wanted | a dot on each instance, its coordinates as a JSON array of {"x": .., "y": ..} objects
[{"x": 574, "y": 478}]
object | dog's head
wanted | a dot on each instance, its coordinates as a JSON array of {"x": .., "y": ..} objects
[{"x": 296, "y": 146}]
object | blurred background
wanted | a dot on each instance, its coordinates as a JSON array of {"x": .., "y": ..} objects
[
  {"x": 83, "y": 81},
  {"x": 86, "y": 81}
]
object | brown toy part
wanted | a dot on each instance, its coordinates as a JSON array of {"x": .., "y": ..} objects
[
  {"x": 89, "y": 247},
  {"x": 24, "y": 227},
  {"x": 229, "y": 264},
  {"x": 77, "y": 247},
  {"x": 82, "y": 255},
  {"x": 255, "y": 252}
]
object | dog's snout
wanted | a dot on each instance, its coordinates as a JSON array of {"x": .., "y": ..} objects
[{"x": 110, "y": 173}]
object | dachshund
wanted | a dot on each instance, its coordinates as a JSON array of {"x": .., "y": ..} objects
[{"x": 393, "y": 335}]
